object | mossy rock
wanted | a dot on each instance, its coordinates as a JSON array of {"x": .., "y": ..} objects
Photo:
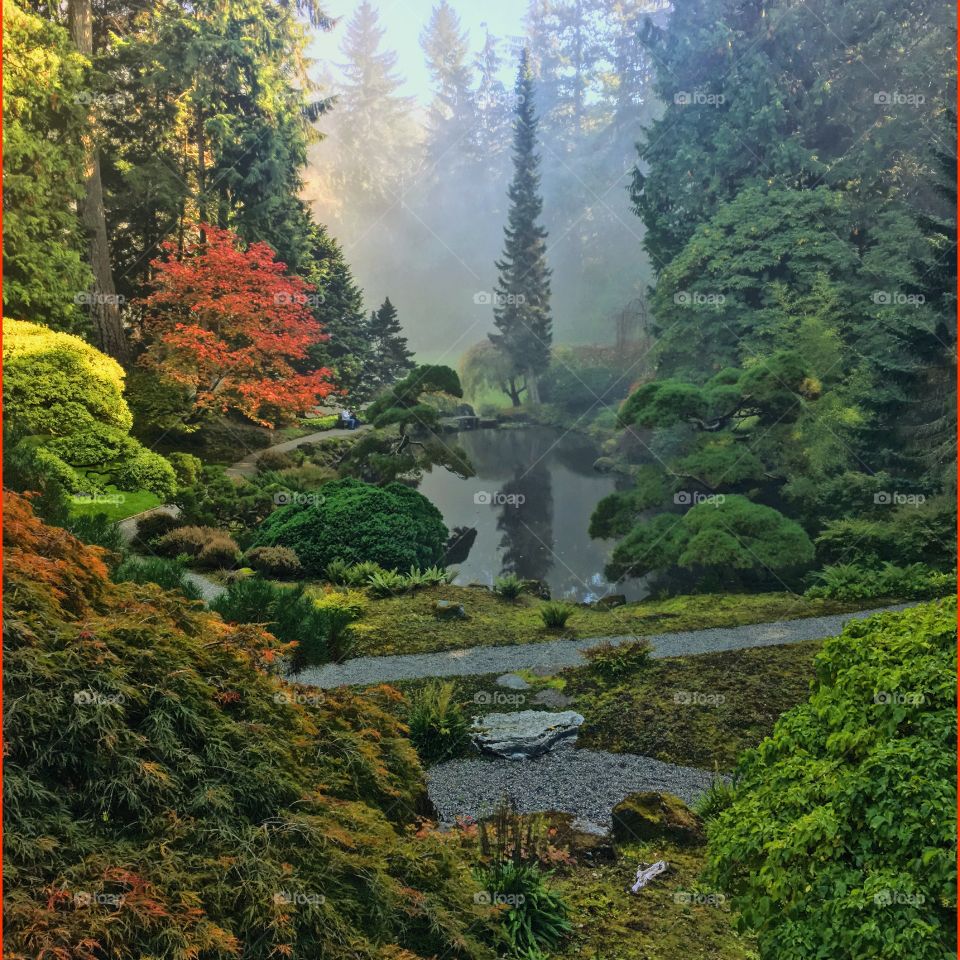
[
  {"x": 656, "y": 816},
  {"x": 449, "y": 610}
]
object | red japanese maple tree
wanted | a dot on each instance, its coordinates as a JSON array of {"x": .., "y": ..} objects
[{"x": 228, "y": 322}]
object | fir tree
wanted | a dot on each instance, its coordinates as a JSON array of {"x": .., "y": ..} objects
[
  {"x": 522, "y": 300},
  {"x": 391, "y": 359}
]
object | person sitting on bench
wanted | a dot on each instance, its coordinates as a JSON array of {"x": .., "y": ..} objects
[{"x": 348, "y": 420}]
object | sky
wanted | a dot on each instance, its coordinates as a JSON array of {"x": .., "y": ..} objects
[{"x": 403, "y": 21}]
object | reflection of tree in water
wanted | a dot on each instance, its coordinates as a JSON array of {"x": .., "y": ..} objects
[
  {"x": 459, "y": 544},
  {"x": 527, "y": 523}
]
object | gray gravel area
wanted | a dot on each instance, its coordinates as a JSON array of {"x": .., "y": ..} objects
[
  {"x": 247, "y": 466},
  {"x": 585, "y": 783},
  {"x": 209, "y": 589},
  {"x": 554, "y": 655}
]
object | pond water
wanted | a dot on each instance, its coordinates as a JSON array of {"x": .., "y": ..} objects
[{"x": 529, "y": 505}]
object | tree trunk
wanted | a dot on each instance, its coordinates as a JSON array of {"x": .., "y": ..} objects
[
  {"x": 513, "y": 391},
  {"x": 533, "y": 389},
  {"x": 104, "y": 306}
]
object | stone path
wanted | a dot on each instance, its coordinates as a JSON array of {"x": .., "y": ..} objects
[
  {"x": 554, "y": 655},
  {"x": 247, "y": 466}
]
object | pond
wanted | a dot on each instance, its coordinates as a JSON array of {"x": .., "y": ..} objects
[{"x": 529, "y": 505}]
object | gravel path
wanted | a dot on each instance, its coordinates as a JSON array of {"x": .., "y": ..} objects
[
  {"x": 556, "y": 654},
  {"x": 585, "y": 783},
  {"x": 247, "y": 467}
]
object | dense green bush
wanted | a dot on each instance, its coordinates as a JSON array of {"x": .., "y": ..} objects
[
  {"x": 154, "y": 525},
  {"x": 206, "y": 546},
  {"x": 910, "y": 534},
  {"x": 169, "y": 574},
  {"x": 841, "y": 839},
  {"x": 64, "y": 403},
  {"x": 187, "y": 467},
  {"x": 218, "y": 500},
  {"x": 853, "y": 581},
  {"x": 280, "y": 562},
  {"x": 439, "y": 728},
  {"x": 393, "y": 526},
  {"x": 320, "y": 630}
]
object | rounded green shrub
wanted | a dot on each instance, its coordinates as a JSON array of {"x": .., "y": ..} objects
[
  {"x": 281, "y": 562},
  {"x": 353, "y": 521}
]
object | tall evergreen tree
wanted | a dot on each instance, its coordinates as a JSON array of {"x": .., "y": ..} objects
[
  {"x": 452, "y": 117},
  {"x": 338, "y": 305},
  {"x": 391, "y": 360},
  {"x": 522, "y": 300}
]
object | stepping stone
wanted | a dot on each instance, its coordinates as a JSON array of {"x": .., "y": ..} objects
[
  {"x": 526, "y": 733},
  {"x": 552, "y": 698},
  {"x": 512, "y": 682}
]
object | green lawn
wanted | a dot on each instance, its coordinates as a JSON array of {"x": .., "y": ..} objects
[
  {"x": 115, "y": 504},
  {"x": 406, "y": 624}
]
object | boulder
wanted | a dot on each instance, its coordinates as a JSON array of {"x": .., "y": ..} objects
[
  {"x": 512, "y": 682},
  {"x": 656, "y": 816},
  {"x": 552, "y": 698},
  {"x": 448, "y": 610},
  {"x": 603, "y": 464},
  {"x": 524, "y": 734}
]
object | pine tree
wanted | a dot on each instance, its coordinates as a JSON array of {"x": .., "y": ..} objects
[
  {"x": 338, "y": 305},
  {"x": 372, "y": 122},
  {"x": 452, "y": 117},
  {"x": 391, "y": 360},
  {"x": 522, "y": 300}
]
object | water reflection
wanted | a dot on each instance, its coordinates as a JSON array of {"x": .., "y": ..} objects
[{"x": 527, "y": 511}]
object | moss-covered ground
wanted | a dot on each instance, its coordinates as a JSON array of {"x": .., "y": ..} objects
[
  {"x": 697, "y": 711},
  {"x": 407, "y": 623},
  {"x": 672, "y": 918}
]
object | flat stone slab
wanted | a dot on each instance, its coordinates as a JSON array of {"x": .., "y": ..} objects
[
  {"x": 526, "y": 733},
  {"x": 512, "y": 682}
]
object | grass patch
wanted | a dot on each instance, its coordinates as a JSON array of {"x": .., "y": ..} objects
[
  {"x": 699, "y": 711},
  {"x": 407, "y": 624},
  {"x": 115, "y": 505}
]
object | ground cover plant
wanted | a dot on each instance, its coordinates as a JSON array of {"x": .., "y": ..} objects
[{"x": 166, "y": 714}]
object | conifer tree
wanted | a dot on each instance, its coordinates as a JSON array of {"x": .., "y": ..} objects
[
  {"x": 522, "y": 299},
  {"x": 392, "y": 361}
]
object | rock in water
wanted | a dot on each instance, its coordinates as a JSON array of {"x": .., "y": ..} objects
[{"x": 526, "y": 733}]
